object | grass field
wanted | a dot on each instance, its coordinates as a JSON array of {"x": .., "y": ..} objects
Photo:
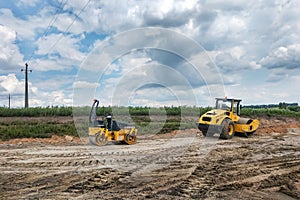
[{"x": 45, "y": 122}]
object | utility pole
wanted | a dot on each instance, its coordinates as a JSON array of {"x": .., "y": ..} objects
[
  {"x": 9, "y": 100},
  {"x": 26, "y": 84}
]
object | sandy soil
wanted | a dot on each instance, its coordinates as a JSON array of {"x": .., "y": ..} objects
[{"x": 179, "y": 165}]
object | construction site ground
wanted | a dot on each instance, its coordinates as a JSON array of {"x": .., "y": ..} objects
[{"x": 178, "y": 165}]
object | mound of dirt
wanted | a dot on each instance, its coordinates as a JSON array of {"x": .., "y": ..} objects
[
  {"x": 267, "y": 126},
  {"x": 277, "y": 125},
  {"x": 55, "y": 139}
]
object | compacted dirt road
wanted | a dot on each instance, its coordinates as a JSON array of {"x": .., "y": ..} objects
[
  {"x": 183, "y": 166},
  {"x": 190, "y": 166}
]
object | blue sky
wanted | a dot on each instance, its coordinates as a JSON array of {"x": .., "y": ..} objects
[{"x": 249, "y": 50}]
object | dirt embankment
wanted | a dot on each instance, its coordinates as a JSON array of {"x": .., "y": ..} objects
[
  {"x": 277, "y": 124},
  {"x": 54, "y": 140}
]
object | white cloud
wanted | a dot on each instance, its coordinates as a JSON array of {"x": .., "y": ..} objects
[
  {"x": 227, "y": 26},
  {"x": 283, "y": 57},
  {"x": 128, "y": 62},
  {"x": 254, "y": 65},
  {"x": 267, "y": 93},
  {"x": 65, "y": 45},
  {"x": 27, "y": 3},
  {"x": 25, "y": 29},
  {"x": 10, "y": 56},
  {"x": 236, "y": 52},
  {"x": 10, "y": 84},
  {"x": 228, "y": 7},
  {"x": 49, "y": 64},
  {"x": 60, "y": 53},
  {"x": 85, "y": 85},
  {"x": 241, "y": 37},
  {"x": 54, "y": 98},
  {"x": 150, "y": 79},
  {"x": 230, "y": 61},
  {"x": 69, "y": 24},
  {"x": 58, "y": 98}
]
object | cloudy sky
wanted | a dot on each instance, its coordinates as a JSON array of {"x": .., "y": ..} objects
[{"x": 163, "y": 52}]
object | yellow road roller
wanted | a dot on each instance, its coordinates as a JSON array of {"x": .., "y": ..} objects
[
  {"x": 106, "y": 129},
  {"x": 225, "y": 120}
]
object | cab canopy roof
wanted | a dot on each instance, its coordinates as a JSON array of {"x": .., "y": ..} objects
[{"x": 229, "y": 100}]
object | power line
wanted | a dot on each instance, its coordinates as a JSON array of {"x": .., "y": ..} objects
[
  {"x": 51, "y": 22},
  {"x": 54, "y": 18},
  {"x": 68, "y": 28}
]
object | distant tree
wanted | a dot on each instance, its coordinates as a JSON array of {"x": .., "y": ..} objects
[
  {"x": 282, "y": 105},
  {"x": 294, "y": 108}
]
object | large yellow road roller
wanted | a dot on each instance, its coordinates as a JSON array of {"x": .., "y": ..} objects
[{"x": 225, "y": 120}]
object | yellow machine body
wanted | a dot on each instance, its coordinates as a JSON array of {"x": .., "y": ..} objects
[
  {"x": 225, "y": 119},
  {"x": 102, "y": 131},
  {"x": 106, "y": 136}
]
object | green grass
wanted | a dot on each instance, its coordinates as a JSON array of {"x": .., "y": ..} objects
[
  {"x": 45, "y": 129},
  {"x": 160, "y": 126},
  {"x": 22, "y": 129},
  {"x": 271, "y": 112},
  {"x": 148, "y": 120},
  {"x": 35, "y": 112},
  {"x": 68, "y": 111}
]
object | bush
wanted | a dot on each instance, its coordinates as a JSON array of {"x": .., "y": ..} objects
[
  {"x": 294, "y": 108},
  {"x": 269, "y": 112},
  {"x": 139, "y": 115},
  {"x": 25, "y": 129},
  {"x": 35, "y": 112}
]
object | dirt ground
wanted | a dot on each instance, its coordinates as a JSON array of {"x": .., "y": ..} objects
[{"x": 178, "y": 165}]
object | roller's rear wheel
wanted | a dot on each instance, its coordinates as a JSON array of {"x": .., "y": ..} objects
[
  {"x": 130, "y": 139},
  {"x": 99, "y": 139},
  {"x": 227, "y": 130}
]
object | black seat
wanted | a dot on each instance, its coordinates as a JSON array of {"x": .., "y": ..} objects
[
  {"x": 100, "y": 123},
  {"x": 115, "y": 126}
]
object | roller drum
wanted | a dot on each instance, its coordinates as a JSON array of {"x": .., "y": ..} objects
[{"x": 245, "y": 121}]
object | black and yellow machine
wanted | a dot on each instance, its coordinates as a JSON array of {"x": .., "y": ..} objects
[
  {"x": 225, "y": 119},
  {"x": 106, "y": 129}
]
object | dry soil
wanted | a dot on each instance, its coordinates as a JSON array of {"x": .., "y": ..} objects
[{"x": 179, "y": 165}]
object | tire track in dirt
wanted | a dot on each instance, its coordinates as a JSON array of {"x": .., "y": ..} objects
[
  {"x": 39, "y": 171},
  {"x": 275, "y": 177},
  {"x": 265, "y": 166}
]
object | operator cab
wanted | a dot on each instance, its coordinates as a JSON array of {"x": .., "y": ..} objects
[
  {"x": 112, "y": 125},
  {"x": 108, "y": 122},
  {"x": 229, "y": 105}
]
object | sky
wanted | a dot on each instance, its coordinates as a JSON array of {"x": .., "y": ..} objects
[{"x": 149, "y": 53}]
